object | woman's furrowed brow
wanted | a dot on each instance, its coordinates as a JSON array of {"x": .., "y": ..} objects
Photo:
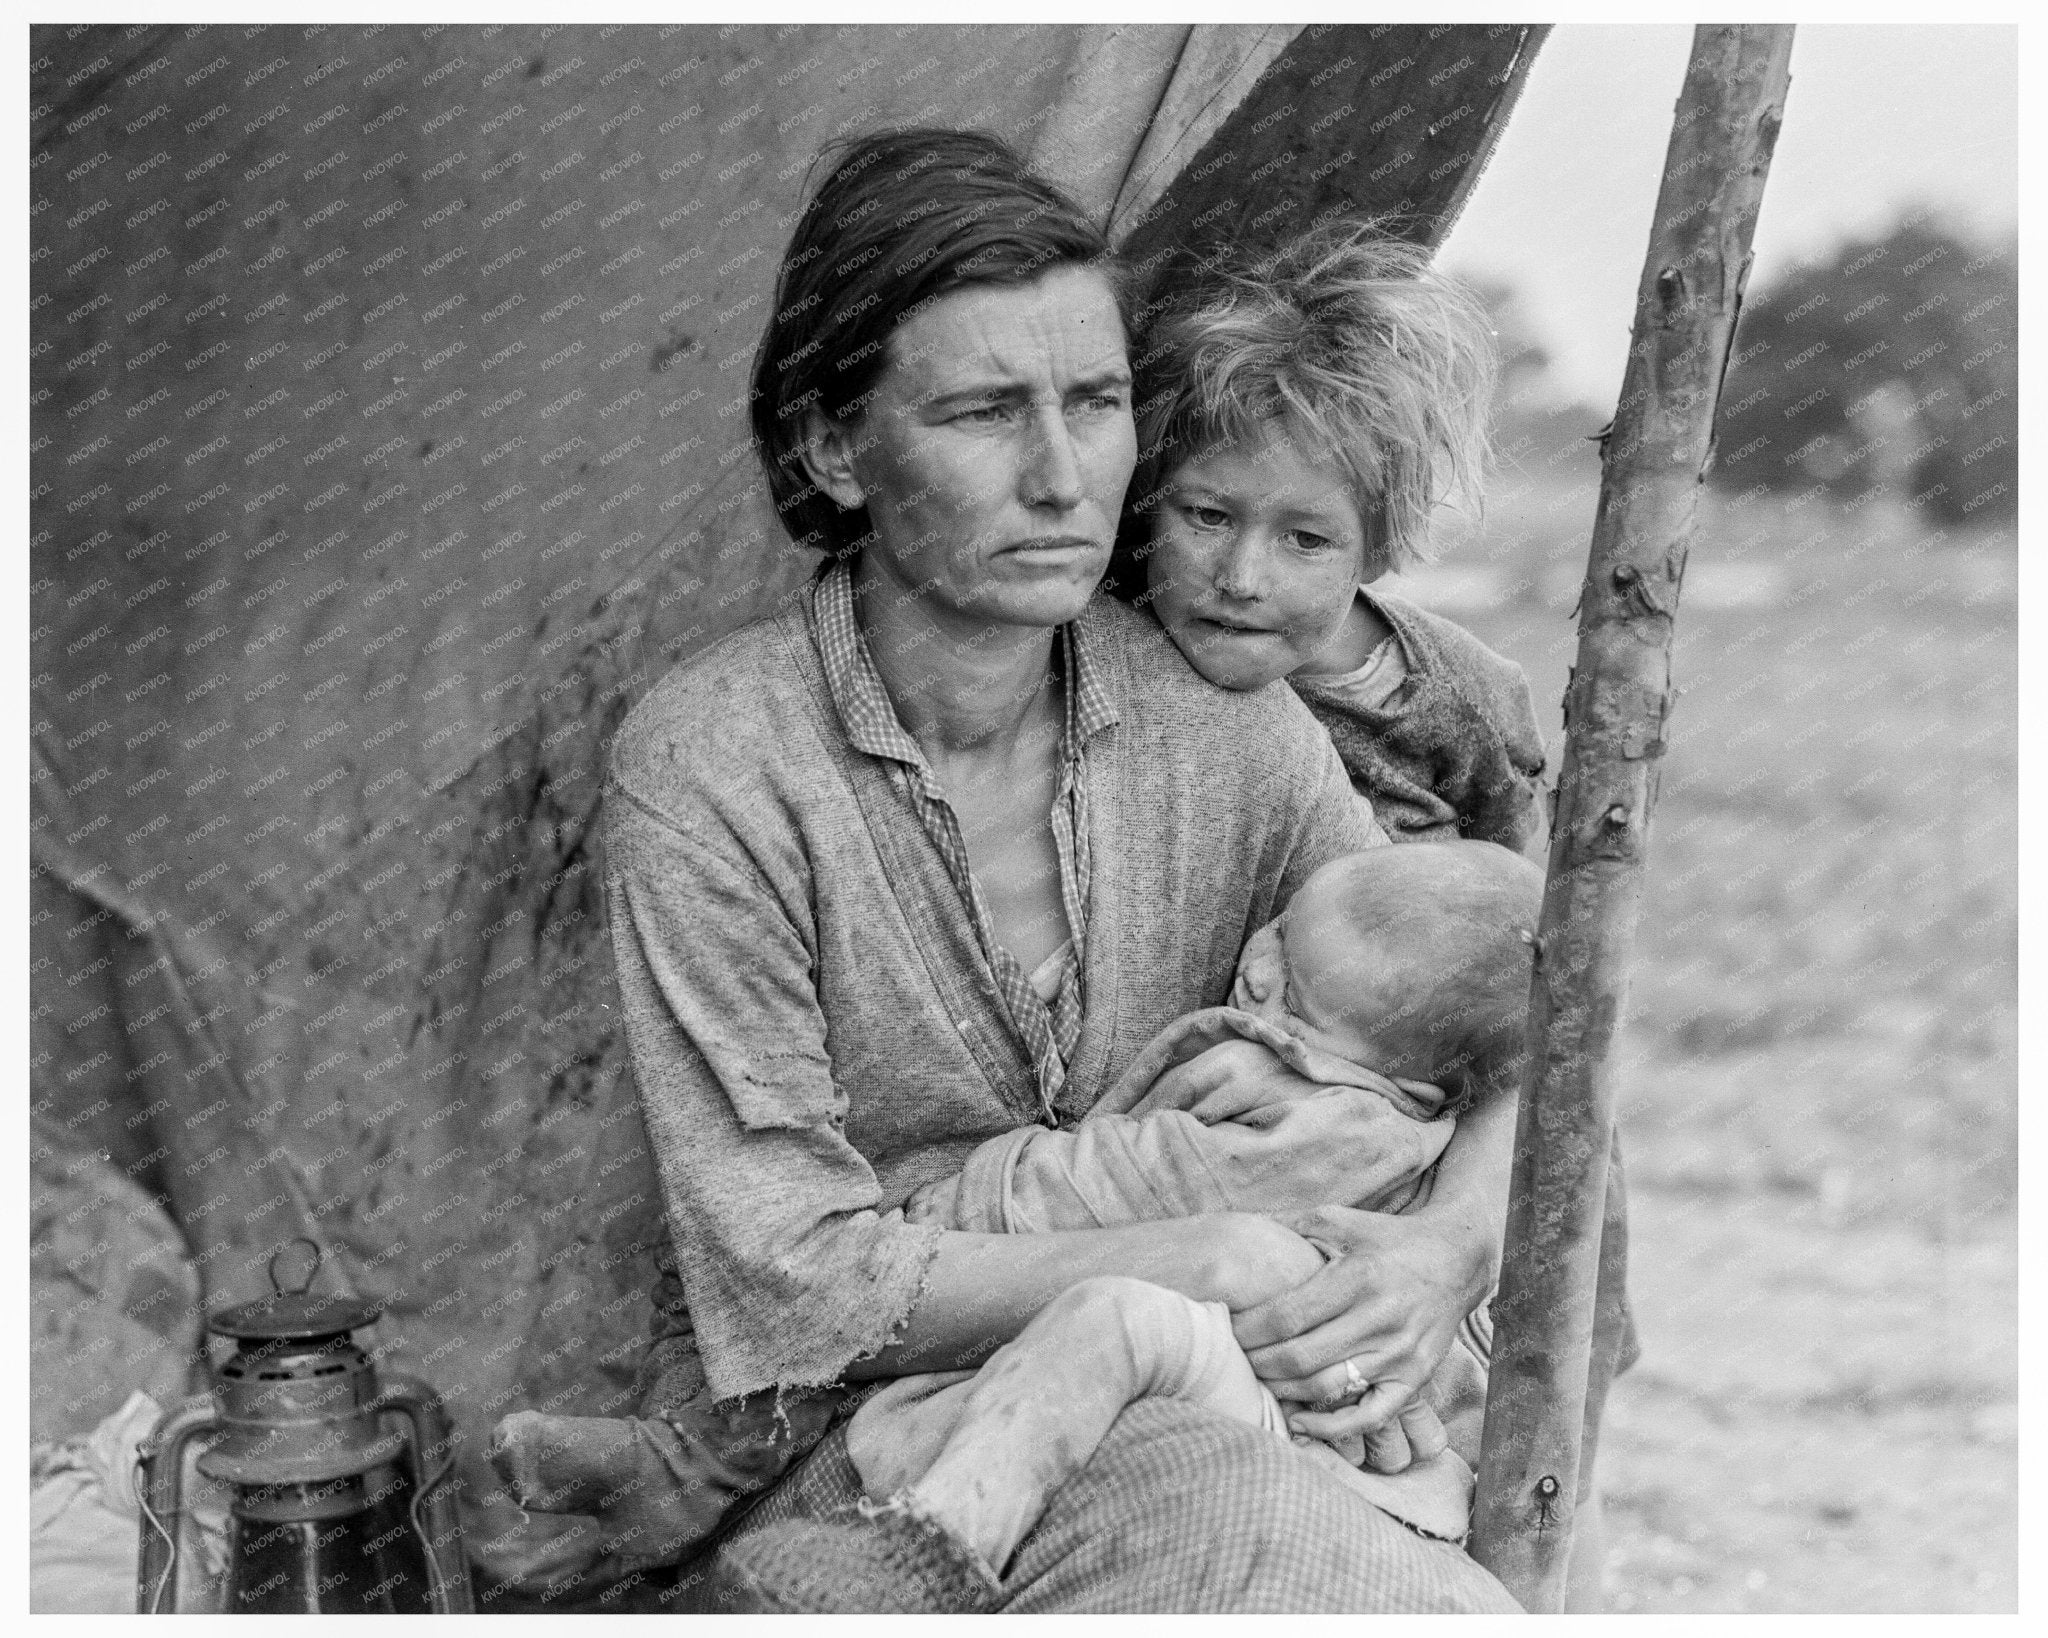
[
  {"x": 998, "y": 389},
  {"x": 977, "y": 390}
]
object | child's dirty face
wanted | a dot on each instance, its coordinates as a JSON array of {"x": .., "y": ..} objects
[
  {"x": 1257, "y": 551},
  {"x": 1305, "y": 972}
]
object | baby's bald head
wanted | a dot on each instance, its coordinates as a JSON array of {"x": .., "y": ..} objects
[{"x": 1412, "y": 959}]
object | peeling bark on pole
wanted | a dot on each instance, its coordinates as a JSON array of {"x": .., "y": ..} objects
[{"x": 1653, "y": 461}]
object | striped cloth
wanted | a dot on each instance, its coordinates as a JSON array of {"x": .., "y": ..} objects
[
  {"x": 1049, "y": 1033},
  {"x": 1183, "y": 1511}
]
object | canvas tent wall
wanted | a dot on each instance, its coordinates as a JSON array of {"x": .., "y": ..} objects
[{"x": 388, "y": 440}]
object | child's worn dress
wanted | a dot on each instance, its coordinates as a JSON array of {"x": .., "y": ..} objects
[{"x": 1437, "y": 729}]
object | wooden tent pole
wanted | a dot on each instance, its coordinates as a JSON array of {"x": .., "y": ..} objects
[{"x": 1653, "y": 460}]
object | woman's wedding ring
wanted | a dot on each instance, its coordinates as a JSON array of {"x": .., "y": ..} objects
[{"x": 1355, "y": 1384}]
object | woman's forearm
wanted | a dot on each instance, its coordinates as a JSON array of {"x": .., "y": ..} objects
[
  {"x": 1468, "y": 1201},
  {"x": 982, "y": 1289}
]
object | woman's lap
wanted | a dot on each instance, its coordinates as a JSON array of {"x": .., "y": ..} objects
[{"x": 1182, "y": 1511}]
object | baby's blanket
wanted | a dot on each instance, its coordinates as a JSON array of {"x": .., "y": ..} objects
[{"x": 1221, "y": 1112}]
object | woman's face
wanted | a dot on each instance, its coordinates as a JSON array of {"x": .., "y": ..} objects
[
  {"x": 1257, "y": 552},
  {"x": 994, "y": 452}
]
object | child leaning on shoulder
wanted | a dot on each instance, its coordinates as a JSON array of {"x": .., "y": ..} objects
[{"x": 1303, "y": 415}]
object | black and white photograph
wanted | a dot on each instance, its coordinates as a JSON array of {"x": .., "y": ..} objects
[{"x": 866, "y": 817}]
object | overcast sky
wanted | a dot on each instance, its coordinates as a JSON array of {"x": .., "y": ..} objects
[{"x": 1880, "y": 119}]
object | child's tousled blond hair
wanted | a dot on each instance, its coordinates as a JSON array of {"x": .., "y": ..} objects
[{"x": 1349, "y": 338}]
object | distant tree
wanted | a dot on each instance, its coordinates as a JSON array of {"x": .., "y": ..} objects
[
  {"x": 1523, "y": 357},
  {"x": 1535, "y": 419},
  {"x": 1892, "y": 367}
]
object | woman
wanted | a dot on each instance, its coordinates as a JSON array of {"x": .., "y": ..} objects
[{"x": 934, "y": 851}]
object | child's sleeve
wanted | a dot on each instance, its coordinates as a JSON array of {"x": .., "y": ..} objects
[
  {"x": 1504, "y": 782},
  {"x": 1456, "y": 751}
]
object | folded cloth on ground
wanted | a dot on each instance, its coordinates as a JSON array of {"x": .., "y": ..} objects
[{"x": 85, "y": 1522}]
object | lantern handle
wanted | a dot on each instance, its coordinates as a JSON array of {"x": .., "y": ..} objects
[{"x": 306, "y": 1284}]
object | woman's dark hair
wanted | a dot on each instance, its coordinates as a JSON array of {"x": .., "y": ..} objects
[{"x": 903, "y": 218}]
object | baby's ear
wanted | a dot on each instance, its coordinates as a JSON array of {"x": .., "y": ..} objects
[{"x": 1496, "y": 1058}]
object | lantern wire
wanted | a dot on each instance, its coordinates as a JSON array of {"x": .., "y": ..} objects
[
  {"x": 156, "y": 1597},
  {"x": 438, "y": 1588}
]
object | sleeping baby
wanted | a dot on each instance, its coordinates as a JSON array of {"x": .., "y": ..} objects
[{"x": 1360, "y": 1021}]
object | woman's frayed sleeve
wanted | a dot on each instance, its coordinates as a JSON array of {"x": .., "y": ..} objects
[{"x": 790, "y": 1270}]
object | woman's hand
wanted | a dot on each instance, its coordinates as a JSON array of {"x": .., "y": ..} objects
[
  {"x": 1255, "y": 1260},
  {"x": 1389, "y": 1302}
]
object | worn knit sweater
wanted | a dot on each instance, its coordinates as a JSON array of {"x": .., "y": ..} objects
[
  {"x": 1456, "y": 752},
  {"x": 813, "y": 1026}
]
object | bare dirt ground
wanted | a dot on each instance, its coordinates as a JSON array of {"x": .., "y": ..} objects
[{"x": 1819, "y": 1093}]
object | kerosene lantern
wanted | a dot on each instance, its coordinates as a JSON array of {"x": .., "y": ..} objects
[{"x": 340, "y": 1494}]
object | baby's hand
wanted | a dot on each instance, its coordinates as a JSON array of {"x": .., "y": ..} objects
[
  {"x": 1229, "y": 1080},
  {"x": 933, "y": 1202}
]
